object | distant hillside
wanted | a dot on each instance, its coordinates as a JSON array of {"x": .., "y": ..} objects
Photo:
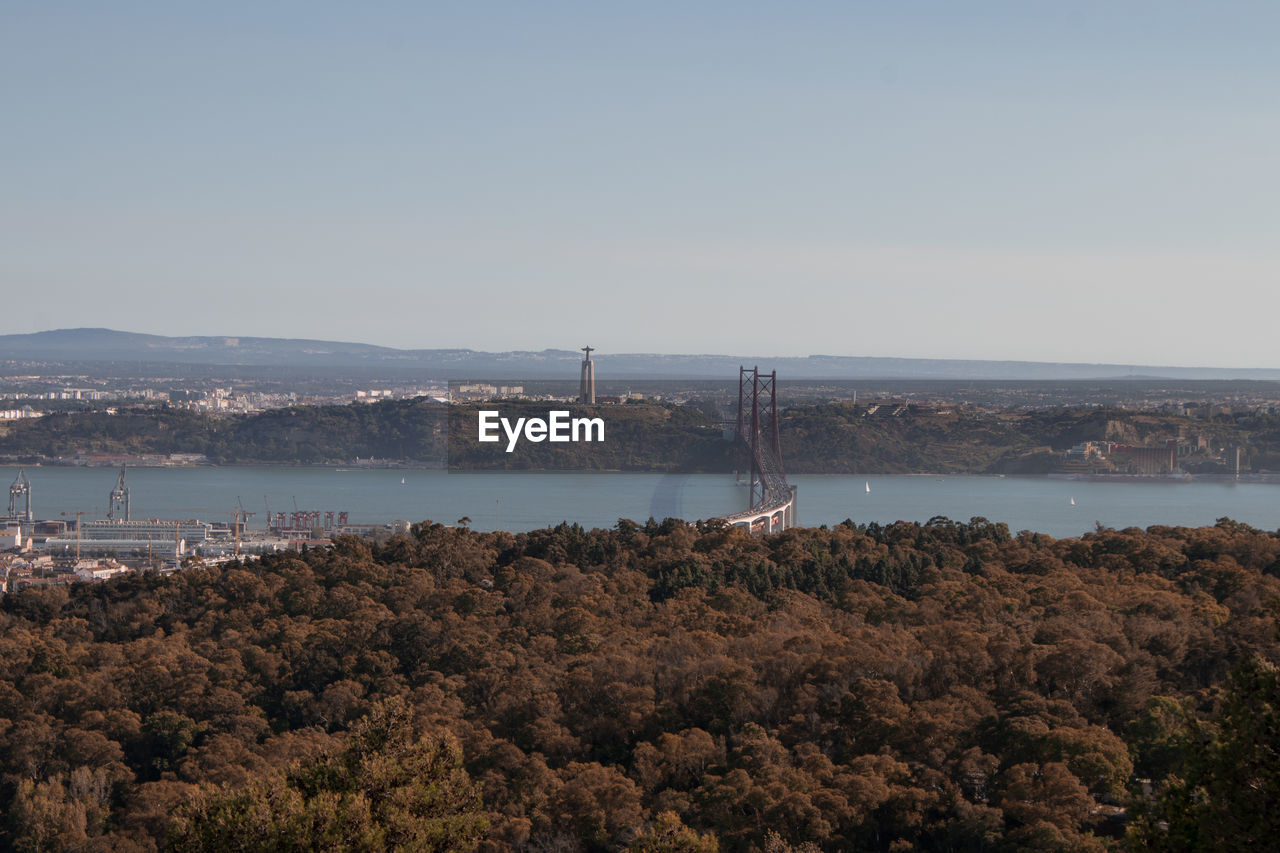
[
  {"x": 106, "y": 345},
  {"x": 822, "y": 438}
]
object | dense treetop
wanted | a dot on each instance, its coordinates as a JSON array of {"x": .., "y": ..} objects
[{"x": 938, "y": 686}]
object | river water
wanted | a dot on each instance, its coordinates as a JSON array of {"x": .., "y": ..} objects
[{"x": 525, "y": 500}]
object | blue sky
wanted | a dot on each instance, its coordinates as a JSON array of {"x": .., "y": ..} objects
[{"x": 1056, "y": 182}]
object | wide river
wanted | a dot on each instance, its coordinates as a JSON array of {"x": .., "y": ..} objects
[{"x": 527, "y": 500}]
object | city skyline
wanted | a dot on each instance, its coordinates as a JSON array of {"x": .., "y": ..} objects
[{"x": 1093, "y": 184}]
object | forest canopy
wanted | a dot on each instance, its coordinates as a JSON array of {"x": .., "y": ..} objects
[{"x": 659, "y": 686}]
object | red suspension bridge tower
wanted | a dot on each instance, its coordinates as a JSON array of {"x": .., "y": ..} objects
[{"x": 772, "y": 501}]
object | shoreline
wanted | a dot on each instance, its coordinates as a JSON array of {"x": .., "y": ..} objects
[{"x": 1257, "y": 478}]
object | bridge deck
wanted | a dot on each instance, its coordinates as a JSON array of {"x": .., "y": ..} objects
[{"x": 776, "y": 513}]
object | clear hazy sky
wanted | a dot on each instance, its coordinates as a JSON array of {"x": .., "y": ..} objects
[{"x": 1025, "y": 180}]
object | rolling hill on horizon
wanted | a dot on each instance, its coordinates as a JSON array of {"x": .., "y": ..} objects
[{"x": 98, "y": 345}]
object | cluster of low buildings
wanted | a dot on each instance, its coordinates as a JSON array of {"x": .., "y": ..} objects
[
  {"x": 90, "y": 394},
  {"x": 374, "y": 395},
  {"x": 1096, "y": 456},
  {"x": 217, "y": 400},
  {"x": 1163, "y": 458},
  {"x": 19, "y": 571},
  {"x": 230, "y": 401}
]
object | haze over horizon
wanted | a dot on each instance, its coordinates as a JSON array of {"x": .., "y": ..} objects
[
  {"x": 1091, "y": 183},
  {"x": 98, "y": 346},
  {"x": 597, "y": 353}
]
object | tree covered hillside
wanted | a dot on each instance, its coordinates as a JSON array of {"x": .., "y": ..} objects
[
  {"x": 944, "y": 686},
  {"x": 649, "y": 437},
  {"x": 825, "y": 438},
  {"x": 308, "y": 435}
]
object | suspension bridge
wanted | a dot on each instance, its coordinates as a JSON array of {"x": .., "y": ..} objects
[{"x": 772, "y": 502}]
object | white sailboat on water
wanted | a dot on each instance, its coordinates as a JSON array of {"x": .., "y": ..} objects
[
  {"x": 1073, "y": 501},
  {"x": 868, "y": 484}
]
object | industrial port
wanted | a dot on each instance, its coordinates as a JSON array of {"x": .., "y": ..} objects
[{"x": 51, "y": 551}]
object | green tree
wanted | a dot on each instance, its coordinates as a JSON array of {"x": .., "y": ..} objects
[
  {"x": 388, "y": 788},
  {"x": 1227, "y": 800}
]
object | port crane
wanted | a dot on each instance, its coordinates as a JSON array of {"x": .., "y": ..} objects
[{"x": 242, "y": 517}]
